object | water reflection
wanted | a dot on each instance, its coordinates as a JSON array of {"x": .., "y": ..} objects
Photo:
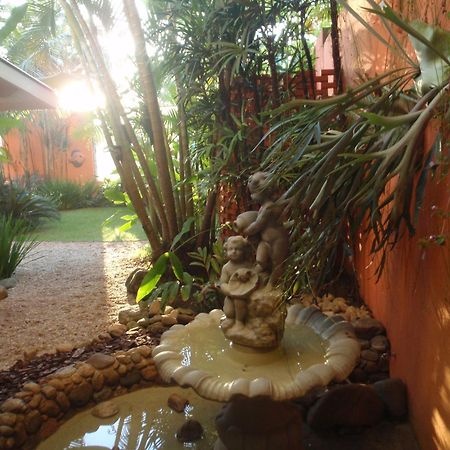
[{"x": 145, "y": 423}]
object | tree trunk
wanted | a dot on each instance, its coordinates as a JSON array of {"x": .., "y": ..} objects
[{"x": 151, "y": 102}]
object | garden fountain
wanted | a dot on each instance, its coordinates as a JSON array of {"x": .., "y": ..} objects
[{"x": 254, "y": 355}]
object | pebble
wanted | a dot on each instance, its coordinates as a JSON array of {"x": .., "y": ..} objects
[
  {"x": 190, "y": 431},
  {"x": 168, "y": 320},
  {"x": 351, "y": 405},
  {"x": 3, "y": 292},
  {"x": 369, "y": 355},
  {"x": 149, "y": 373},
  {"x": 392, "y": 392},
  {"x": 64, "y": 347},
  {"x": 13, "y": 405},
  {"x": 80, "y": 394},
  {"x": 379, "y": 343},
  {"x": 100, "y": 360},
  {"x": 8, "y": 419},
  {"x": 177, "y": 402},
  {"x": 105, "y": 409},
  {"x": 8, "y": 283},
  {"x": 154, "y": 308},
  {"x": 117, "y": 330},
  {"x": 367, "y": 328}
]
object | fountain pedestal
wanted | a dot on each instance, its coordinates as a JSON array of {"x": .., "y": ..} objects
[{"x": 258, "y": 423}]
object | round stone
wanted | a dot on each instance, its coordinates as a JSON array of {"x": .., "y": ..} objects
[
  {"x": 379, "y": 343},
  {"x": 190, "y": 431},
  {"x": 100, "y": 360},
  {"x": 13, "y": 405},
  {"x": 3, "y": 292},
  {"x": 105, "y": 409},
  {"x": 117, "y": 330},
  {"x": 33, "y": 421},
  {"x": 81, "y": 394}
]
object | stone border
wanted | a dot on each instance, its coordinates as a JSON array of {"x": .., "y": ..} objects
[{"x": 35, "y": 412}]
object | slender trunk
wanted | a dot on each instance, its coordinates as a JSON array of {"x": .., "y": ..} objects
[
  {"x": 205, "y": 228},
  {"x": 185, "y": 164},
  {"x": 122, "y": 154},
  {"x": 273, "y": 72},
  {"x": 151, "y": 101},
  {"x": 335, "y": 46},
  {"x": 306, "y": 49}
]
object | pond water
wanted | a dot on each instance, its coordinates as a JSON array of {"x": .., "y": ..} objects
[{"x": 144, "y": 422}]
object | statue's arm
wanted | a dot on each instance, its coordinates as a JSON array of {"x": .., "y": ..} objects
[{"x": 265, "y": 215}]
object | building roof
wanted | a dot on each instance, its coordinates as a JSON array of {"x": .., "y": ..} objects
[{"x": 19, "y": 90}]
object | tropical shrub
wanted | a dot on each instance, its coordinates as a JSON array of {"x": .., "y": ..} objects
[
  {"x": 21, "y": 204},
  {"x": 70, "y": 195},
  {"x": 15, "y": 244}
]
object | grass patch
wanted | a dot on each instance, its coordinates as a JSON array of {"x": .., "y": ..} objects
[{"x": 87, "y": 225}]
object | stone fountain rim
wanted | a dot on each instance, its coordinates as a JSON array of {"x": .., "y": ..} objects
[{"x": 341, "y": 357}]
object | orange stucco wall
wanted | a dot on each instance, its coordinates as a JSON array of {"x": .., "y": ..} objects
[
  {"x": 412, "y": 298},
  {"x": 58, "y": 155}
]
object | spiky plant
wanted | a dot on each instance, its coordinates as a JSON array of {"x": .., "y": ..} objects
[{"x": 15, "y": 244}]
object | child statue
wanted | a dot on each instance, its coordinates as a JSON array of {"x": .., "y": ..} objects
[
  {"x": 254, "y": 314},
  {"x": 237, "y": 280},
  {"x": 272, "y": 249}
]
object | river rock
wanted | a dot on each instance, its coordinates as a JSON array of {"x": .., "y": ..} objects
[
  {"x": 100, "y": 361},
  {"x": 8, "y": 419},
  {"x": 13, "y": 405},
  {"x": 105, "y": 409},
  {"x": 131, "y": 378},
  {"x": 190, "y": 431},
  {"x": 154, "y": 308},
  {"x": 131, "y": 314},
  {"x": 117, "y": 330},
  {"x": 367, "y": 328},
  {"x": 49, "y": 408},
  {"x": 8, "y": 283},
  {"x": 168, "y": 320},
  {"x": 352, "y": 405},
  {"x": 392, "y": 392},
  {"x": 379, "y": 343},
  {"x": 177, "y": 402},
  {"x": 149, "y": 373},
  {"x": 184, "y": 319},
  {"x": 64, "y": 347},
  {"x": 32, "y": 421},
  {"x": 134, "y": 280},
  {"x": 3, "y": 292},
  {"x": 81, "y": 394}
]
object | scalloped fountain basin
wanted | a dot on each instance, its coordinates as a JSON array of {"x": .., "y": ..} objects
[{"x": 314, "y": 351}]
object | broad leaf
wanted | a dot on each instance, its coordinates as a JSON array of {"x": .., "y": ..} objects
[
  {"x": 185, "y": 229},
  {"x": 177, "y": 267},
  {"x": 151, "y": 279}
]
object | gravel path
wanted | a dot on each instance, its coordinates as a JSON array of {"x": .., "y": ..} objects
[{"x": 66, "y": 293}]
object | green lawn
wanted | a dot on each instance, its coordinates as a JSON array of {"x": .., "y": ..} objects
[{"x": 87, "y": 224}]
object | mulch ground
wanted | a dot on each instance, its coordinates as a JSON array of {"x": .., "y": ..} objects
[{"x": 12, "y": 379}]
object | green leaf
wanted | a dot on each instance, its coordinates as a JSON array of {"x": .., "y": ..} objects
[
  {"x": 389, "y": 122},
  {"x": 173, "y": 291},
  {"x": 177, "y": 267},
  {"x": 186, "y": 292},
  {"x": 187, "y": 278},
  {"x": 185, "y": 229},
  {"x": 151, "y": 279},
  {"x": 129, "y": 217},
  {"x": 126, "y": 226}
]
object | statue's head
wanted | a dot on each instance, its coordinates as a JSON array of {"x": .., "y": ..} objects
[
  {"x": 258, "y": 186},
  {"x": 237, "y": 248}
]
